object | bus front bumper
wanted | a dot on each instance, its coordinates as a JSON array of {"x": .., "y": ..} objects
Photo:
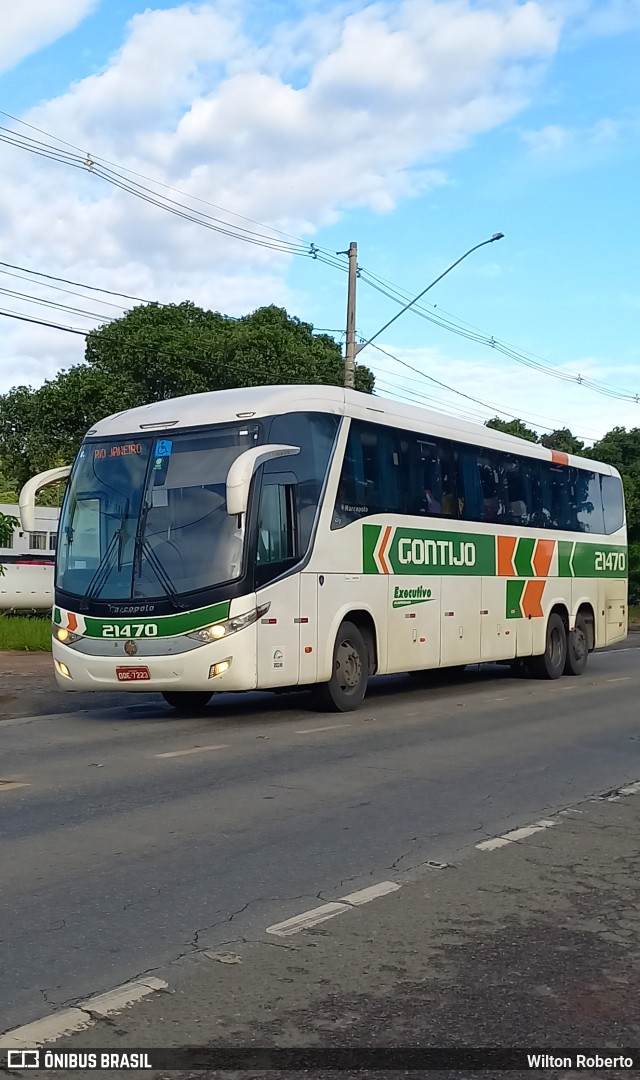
[{"x": 222, "y": 666}]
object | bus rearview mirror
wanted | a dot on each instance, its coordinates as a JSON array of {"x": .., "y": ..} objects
[
  {"x": 27, "y": 498},
  {"x": 243, "y": 468}
]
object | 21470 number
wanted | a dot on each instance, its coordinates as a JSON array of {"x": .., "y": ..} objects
[{"x": 130, "y": 630}]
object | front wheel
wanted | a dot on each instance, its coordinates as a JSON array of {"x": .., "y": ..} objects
[
  {"x": 551, "y": 664},
  {"x": 187, "y": 701},
  {"x": 577, "y": 648},
  {"x": 348, "y": 683}
]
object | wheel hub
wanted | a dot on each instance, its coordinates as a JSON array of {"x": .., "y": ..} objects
[{"x": 348, "y": 666}]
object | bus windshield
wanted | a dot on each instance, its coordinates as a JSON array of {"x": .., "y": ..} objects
[{"x": 145, "y": 518}]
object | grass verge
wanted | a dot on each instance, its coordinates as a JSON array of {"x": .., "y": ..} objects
[{"x": 25, "y": 635}]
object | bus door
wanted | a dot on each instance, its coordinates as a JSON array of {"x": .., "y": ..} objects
[{"x": 278, "y": 631}]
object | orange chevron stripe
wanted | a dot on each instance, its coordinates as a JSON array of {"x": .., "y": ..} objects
[
  {"x": 542, "y": 557},
  {"x": 383, "y": 549},
  {"x": 506, "y": 551},
  {"x": 72, "y": 622},
  {"x": 531, "y": 602}
]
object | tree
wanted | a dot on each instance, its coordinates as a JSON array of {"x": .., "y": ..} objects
[
  {"x": 562, "y": 439},
  {"x": 156, "y": 352},
  {"x": 513, "y": 427},
  {"x": 7, "y": 525}
]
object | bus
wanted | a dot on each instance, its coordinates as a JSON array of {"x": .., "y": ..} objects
[
  {"x": 282, "y": 537},
  {"x": 26, "y": 563}
]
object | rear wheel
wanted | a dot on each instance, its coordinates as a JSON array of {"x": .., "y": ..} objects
[
  {"x": 551, "y": 664},
  {"x": 577, "y": 648},
  {"x": 348, "y": 683},
  {"x": 188, "y": 700}
]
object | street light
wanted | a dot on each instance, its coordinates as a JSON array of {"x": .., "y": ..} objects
[{"x": 491, "y": 240}]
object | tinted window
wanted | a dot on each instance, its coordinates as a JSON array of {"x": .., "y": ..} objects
[
  {"x": 315, "y": 434},
  {"x": 482, "y": 484},
  {"x": 428, "y": 475},
  {"x": 275, "y": 534},
  {"x": 587, "y": 501},
  {"x": 613, "y": 503},
  {"x": 522, "y": 490},
  {"x": 370, "y": 482}
]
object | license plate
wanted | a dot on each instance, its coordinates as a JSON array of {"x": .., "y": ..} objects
[{"x": 132, "y": 674}]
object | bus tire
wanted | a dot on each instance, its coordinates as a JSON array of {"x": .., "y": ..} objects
[
  {"x": 551, "y": 664},
  {"x": 577, "y": 648},
  {"x": 348, "y": 683},
  {"x": 187, "y": 701}
]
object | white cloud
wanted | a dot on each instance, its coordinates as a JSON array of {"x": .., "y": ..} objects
[
  {"x": 382, "y": 95},
  {"x": 31, "y": 24},
  {"x": 541, "y": 401}
]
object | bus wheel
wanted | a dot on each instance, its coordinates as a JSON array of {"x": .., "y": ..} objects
[
  {"x": 348, "y": 684},
  {"x": 187, "y": 701},
  {"x": 577, "y": 648},
  {"x": 551, "y": 664}
]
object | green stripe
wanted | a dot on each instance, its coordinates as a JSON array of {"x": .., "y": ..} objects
[
  {"x": 370, "y": 537},
  {"x": 565, "y": 550},
  {"x": 167, "y": 625},
  {"x": 515, "y": 590},
  {"x": 596, "y": 560},
  {"x": 523, "y": 556}
]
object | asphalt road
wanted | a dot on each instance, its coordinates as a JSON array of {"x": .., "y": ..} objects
[{"x": 139, "y": 837}]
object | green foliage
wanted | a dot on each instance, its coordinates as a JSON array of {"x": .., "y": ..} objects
[
  {"x": 158, "y": 352},
  {"x": 7, "y": 525},
  {"x": 563, "y": 440},
  {"x": 23, "y": 634},
  {"x": 513, "y": 427}
]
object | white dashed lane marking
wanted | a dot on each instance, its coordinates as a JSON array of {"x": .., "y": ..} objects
[
  {"x": 84, "y": 1015},
  {"x": 514, "y": 836},
  {"x": 331, "y": 727},
  {"x": 307, "y": 919},
  {"x": 193, "y": 750}
]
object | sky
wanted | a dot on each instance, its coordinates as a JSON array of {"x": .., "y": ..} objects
[{"x": 289, "y": 129}]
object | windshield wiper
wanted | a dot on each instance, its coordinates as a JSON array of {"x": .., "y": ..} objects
[
  {"x": 103, "y": 568},
  {"x": 141, "y": 546}
]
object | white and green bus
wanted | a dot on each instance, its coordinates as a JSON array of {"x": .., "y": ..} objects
[{"x": 309, "y": 536}]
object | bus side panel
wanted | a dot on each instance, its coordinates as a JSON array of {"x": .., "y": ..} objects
[
  {"x": 460, "y": 627},
  {"x": 308, "y": 628},
  {"x": 413, "y": 622},
  {"x": 613, "y": 601},
  {"x": 279, "y": 634},
  {"x": 497, "y": 633},
  {"x": 339, "y": 594}
]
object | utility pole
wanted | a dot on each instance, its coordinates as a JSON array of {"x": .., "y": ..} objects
[{"x": 350, "y": 348}]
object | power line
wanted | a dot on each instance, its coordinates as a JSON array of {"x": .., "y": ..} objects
[
  {"x": 502, "y": 347},
  {"x": 490, "y": 407},
  {"x": 42, "y": 322},
  {"x": 113, "y": 174},
  {"x": 78, "y": 284}
]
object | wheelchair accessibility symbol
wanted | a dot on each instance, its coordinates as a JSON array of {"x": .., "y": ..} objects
[{"x": 163, "y": 448}]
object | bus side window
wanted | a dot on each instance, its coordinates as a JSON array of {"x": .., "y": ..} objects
[
  {"x": 519, "y": 493},
  {"x": 470, "y": 495},
  {"x": 588, "y": 501},
  {"x": 275, "y": 539},
  {"x": 428, "y": 475},
  {"x": 613, "y": 503},
  {"x": 370, "y": 478}
]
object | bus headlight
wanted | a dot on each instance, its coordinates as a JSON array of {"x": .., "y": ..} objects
[
  {"x": 64, "y": 635},
  {"x": 223, "y": 629}
]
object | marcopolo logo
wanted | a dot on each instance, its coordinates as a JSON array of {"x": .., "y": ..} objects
[{"x": 409, "y": 597}]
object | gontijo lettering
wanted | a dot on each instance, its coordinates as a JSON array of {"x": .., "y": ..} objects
[{"x": 423, "y": 552}]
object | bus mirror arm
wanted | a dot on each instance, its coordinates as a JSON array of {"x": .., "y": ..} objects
[
  {"x": 241, "y": 472},
  {"x": 27, "y": 498}
]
